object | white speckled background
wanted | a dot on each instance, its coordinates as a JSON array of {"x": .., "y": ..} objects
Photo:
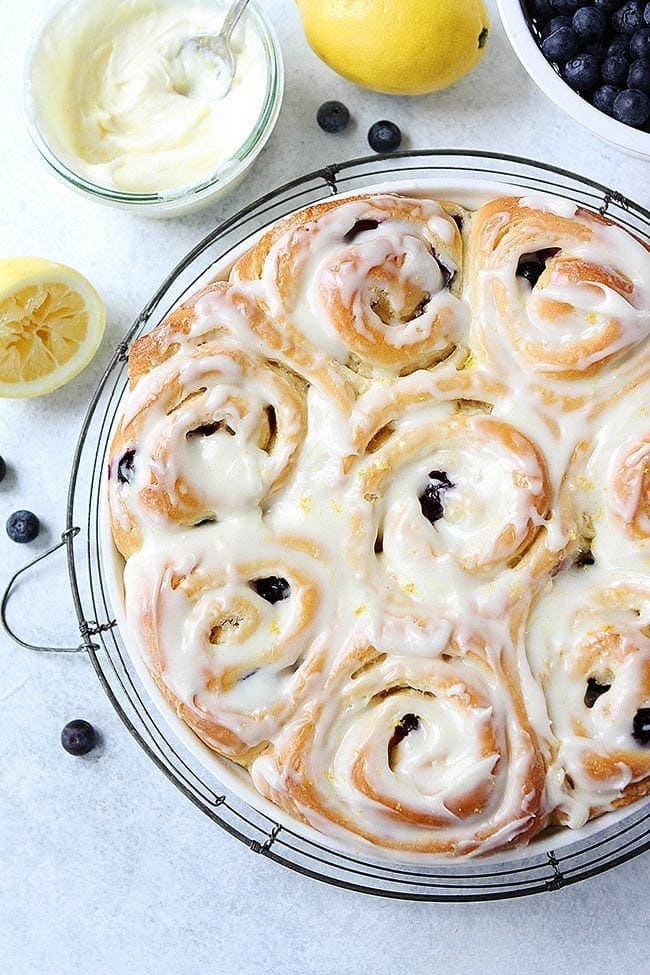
[{"x": 104, "y": 866}]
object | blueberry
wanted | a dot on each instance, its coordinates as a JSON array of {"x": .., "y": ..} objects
[
  {"x": 272, "y": 588},
  {"x": 628, "y": 18},
  {"x": 639, "y": 75},
  {"x": 632, "y": 107},
  {"x": 582, "y": 72},
  {"x": 23, "y": 526},
  {"x": 78, "y": 737},
  {"x": 646, "y": 14},
  {"x": 566, "y": 6},
  {"x": 384, "y": 136},
  {"x": 126, "y": 467},
  {"x": 3, "y": 468},
  {"x": 597, "y": 48},
  {"x": 333, "y": 116},
  {"x": 540, "y": 10},
  {"x": 530, "y": 271},
  {"x": 640, "y": 44},
  {"x": 589, "y": 23},
  {"x": 585, "y": 557},
  {"x": 619, "y": 47},
  {"x": 604, "y": 97},
  {"x": 407, "y": 724},
  {"x": 614, "y": 70},
  {"x": 430, "y": 499},
  {"x": 555, "y": 23},
  {"x": 607, "y": 6},
  {"x": 594, "y": 690},
  {"x": 560, "y": 45},
  {"x": 196, "y": 433},
  {"x": 641, "y": 726}
]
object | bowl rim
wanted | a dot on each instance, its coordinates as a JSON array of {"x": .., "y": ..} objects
[
  {"x": 227, "y": 172},
  {"x": 522, "y": 40}
]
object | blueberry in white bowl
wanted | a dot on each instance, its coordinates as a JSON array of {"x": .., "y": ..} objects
[
  {"x": 589, "y": 23},
  {"x": 632, "y": 107},
  {"x": 604, "y": 98},
  {"x": 582, "y": 72},
  {"x": 614, "y": 70},
  {"x": 628, "y": 18},
  {"x": 584, "y": 55},
  {"x": 639, "y": 75}
]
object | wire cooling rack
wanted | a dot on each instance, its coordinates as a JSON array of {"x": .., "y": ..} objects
[{"x": 100, "y": 637}]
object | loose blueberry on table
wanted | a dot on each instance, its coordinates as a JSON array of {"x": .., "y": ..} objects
[
  {"x": 384, "y": 136},
  {"x": 23, "y": 526},
  {"x": 601, "y": 49},
  {"x": 333, "y": 116},
  {"x": 3, "y": 468},
  {"x": 78, "y": 737}
]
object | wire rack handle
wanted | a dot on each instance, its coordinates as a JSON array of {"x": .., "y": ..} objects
[{"x": 66, "y": 539}]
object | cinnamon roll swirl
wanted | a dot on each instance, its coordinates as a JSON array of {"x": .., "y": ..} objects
[
  {"x": 203, "y": 436},
  {"x": 450, "y": 506},
  {"x": 420, "y": 756},
  {"x": 557, "y": 287},
  {"x": 589, "y": 643},
  {"x": 373, "y": 283},
  {"x": 231, "y": 623}
]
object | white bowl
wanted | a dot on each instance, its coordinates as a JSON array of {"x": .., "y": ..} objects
[{"x": 630, "y": 140}]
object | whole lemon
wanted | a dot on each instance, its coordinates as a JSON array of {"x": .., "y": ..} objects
[{"x": 402, "y": 47}]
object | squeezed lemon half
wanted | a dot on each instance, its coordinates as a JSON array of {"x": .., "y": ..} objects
[{"x": 51, "y": 324}]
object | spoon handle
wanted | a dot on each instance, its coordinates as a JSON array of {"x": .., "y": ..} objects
[{"x": 232, "y": 19}]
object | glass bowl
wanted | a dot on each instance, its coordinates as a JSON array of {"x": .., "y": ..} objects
[{"x": 168, "y": 203}]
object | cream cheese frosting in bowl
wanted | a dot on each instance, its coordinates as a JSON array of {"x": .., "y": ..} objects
[{"x": 118, "y": 114}]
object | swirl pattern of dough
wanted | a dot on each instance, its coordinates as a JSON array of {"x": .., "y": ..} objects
[
  {"x": 429, "y": 756},
  {"x": 205, "y": 435},
  {"x": 450, "y": 506},
  {"x": 383, "y": 497},
  {"x": 232, "y": 639},
  {"x": 567, "y": 296},
  {"x": 373, "y": 283}
]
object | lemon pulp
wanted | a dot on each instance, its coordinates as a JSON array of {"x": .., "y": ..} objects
[
  {"x": 41, "y": 328},
  {"x": 51, "y": 324}
]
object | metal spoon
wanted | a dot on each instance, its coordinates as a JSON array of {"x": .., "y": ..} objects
[{"x": 216, "y": 50}]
